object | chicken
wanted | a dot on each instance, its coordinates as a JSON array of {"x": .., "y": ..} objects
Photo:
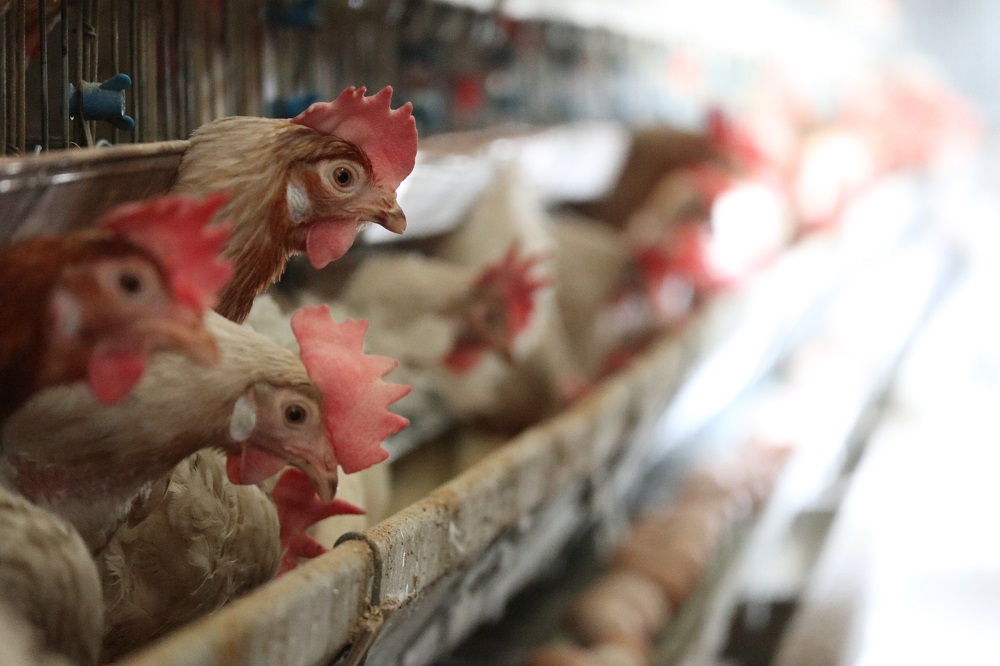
[
  {"x": 509, "y": 214},
  {"x": 452, "y": 329},
  {"x": 48, "y": 579},
  {"x": 99, "y": 466},
  {"x": 95, "y": 304},
  {"x": 209, "y": 541},
  {"x": 20, "y": 644},
  {"x": 703, "y": 229},
  {"x": 301, "y": 185},
  {"x": 546, "y": 372},
  {"x": 699, "y": 230},
  {"x": 595, "y": 271}
]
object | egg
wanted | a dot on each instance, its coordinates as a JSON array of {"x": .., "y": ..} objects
[{"x": 604, "y": 615}]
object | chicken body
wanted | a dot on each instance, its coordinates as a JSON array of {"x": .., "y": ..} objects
[
  {"x": 48, "y": 579},
  {"x": 208, "y": 541},
  {"x": 98, "y": 465}
]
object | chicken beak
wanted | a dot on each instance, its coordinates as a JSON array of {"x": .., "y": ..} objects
[
  {"x": 322, "y": 481},
  {"x": 390, "y": 216},
  {"x": 318, "y": 462},
  {"x": 180, "y": 329}
]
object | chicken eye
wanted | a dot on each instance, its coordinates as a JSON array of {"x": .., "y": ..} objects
[
  {"x": 343, "y": 176},
  {"x": 130, "y": 283},
  {"x": 295, "y": 414}
]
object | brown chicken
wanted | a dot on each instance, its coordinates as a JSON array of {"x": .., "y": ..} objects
[
  {"x": 301, "y": 185},
  {"x": 98, "y": 466},
  {"x": 655, "y": 152},
  {"x": 94, "y": 305}
]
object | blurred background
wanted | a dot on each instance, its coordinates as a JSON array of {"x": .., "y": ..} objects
[{"x": 874, "y": 368}]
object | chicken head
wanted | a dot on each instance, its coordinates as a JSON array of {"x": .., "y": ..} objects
[
  {"x": 497, "y": 309},
  {"x": 276, "y": 426},
  {"x": 305, "y": 185},
  {"x": 94, "y": 305},
  {"x": 109, "y": 314},
  {"x": 347, "y": 190}
]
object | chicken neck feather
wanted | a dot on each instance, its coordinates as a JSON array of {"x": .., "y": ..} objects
[{"x": 250, "y": 158}]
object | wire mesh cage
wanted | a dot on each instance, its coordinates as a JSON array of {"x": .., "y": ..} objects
[
  {"x": 82, "y": 72},
  {"x": 94, "y": 72}
]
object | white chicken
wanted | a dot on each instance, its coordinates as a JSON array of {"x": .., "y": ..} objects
[
  {"x": 544, "y": 373},
  {"x": 595, "y": 268},
  {"x": 451, "y": 328},
  {"x": 509, "y": 214}
]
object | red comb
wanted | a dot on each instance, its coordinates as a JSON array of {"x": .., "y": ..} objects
[
  {"x": 175, "y": 229},
  {"x": 688, "y": 256},
  {"x": 355, "y": 397},
  {"x": 388, "y": 137},
  {"x": 512, "y": 276},
  {"x": 298, "y": 510}
]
